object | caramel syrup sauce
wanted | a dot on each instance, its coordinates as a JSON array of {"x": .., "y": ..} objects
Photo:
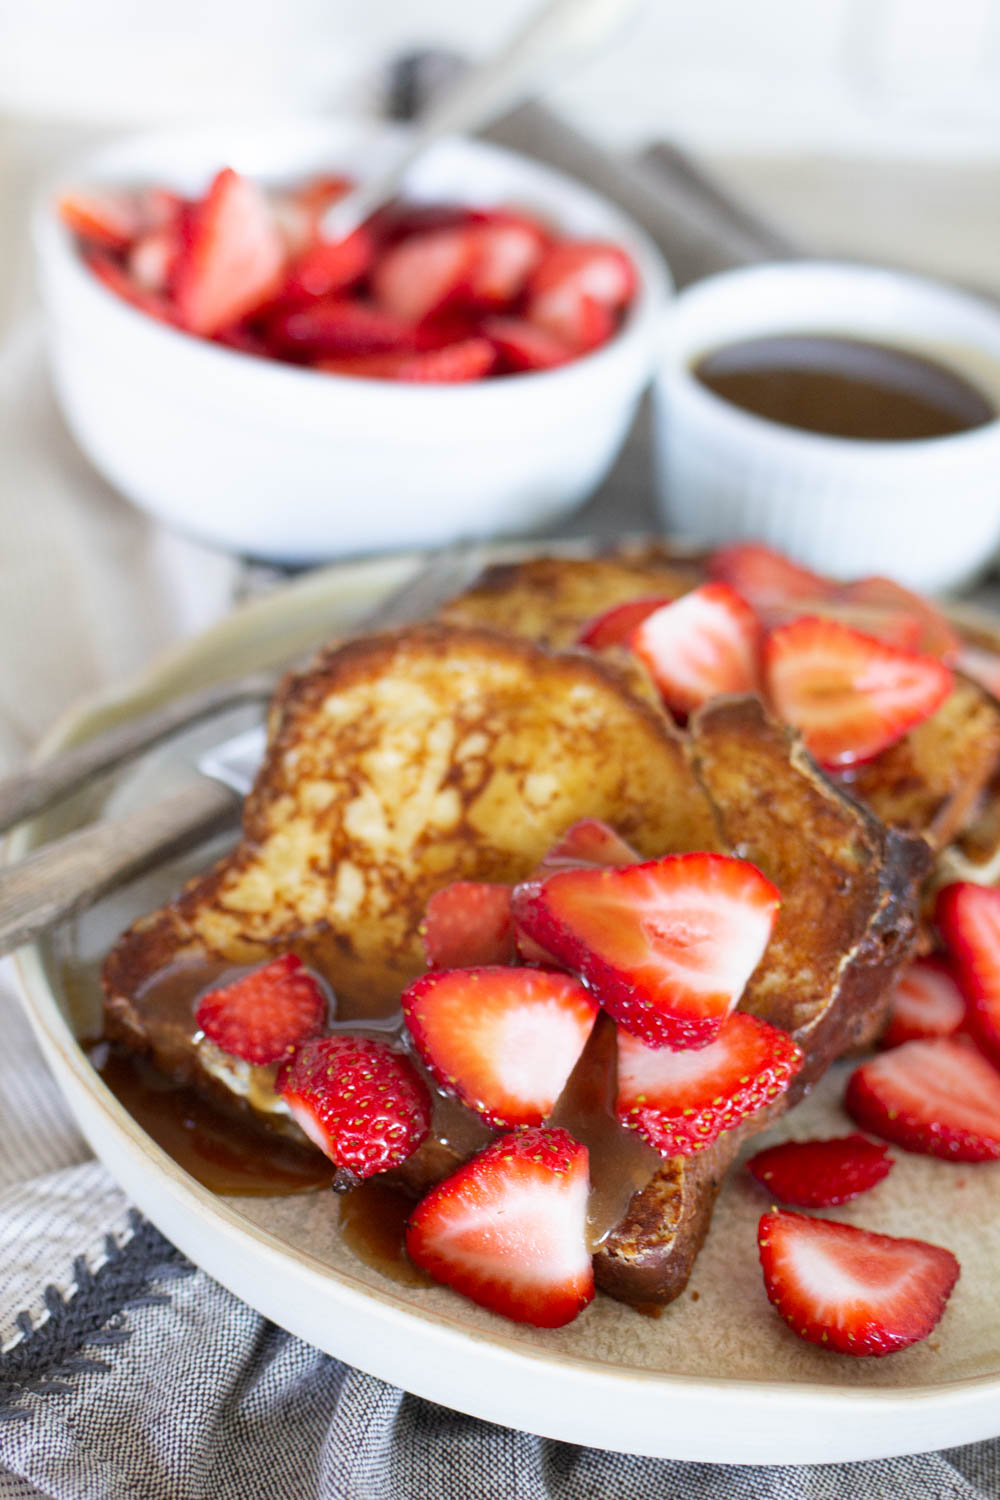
[
  {"x": 844, "y": 387},
  {"x": 232, "y": 1154}
]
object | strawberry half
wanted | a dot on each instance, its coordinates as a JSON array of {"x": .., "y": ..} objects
[
  {"x": 938, "y": 1097},
  {"x": 234, "y": 260},
  {"x": 508, "y": 1229},
  {"x": 361, "y": 1103},
  {"x": 682, "y": 1101},
  {"x": 504, "y": 1039},
  {"x": 926, "y": 1002},
  {"x": 850, "y": 695},
  {"x": 424, "y": 272},
  {"x": 968, "y": 918},
  {"x": 849, "y": 1289},
  {"x": 703, "y": 644},
  {"x": 262, "y": 1016},
  {"x": 469, "y": 360},
  {"x": 764, "y": 578},
  {"x": 817, "y": 1174},
  {"x": 667, "y": 946},
  {"x": 616, "y": 626},
  {"x": 468, "y": 925}
]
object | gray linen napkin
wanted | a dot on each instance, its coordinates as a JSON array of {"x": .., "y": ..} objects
[{"x": 126, "y": 1372}]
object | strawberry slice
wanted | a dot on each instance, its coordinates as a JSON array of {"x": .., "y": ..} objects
[
  {"x": 968, "y": 918},
  {"x": 765, "y": 578},
  {"x": 507, "y": 250},
  {"x": 234, "y": 260},
  {"x": 937, "y": 636},
  {"x": 262, "y": 1016},
  {"x": 364, "y": 1105},
  {"x": 578, "y": 288},
  {"x": 982, "y": 666},
  {"x": 938, "y": 1097},
  {"x": 101, "y": 217},
  {"x": 682, "y": 1101},
  {"x": 926, "y": 1002},
  {"x": 153, "y": 259},
  {"x": 849, "y": 1289},
  {"x": 468, "y": 925},
  {"x": 616, "y": 626},
  {"x": 703, "y": 644},
  {"x": 455, "y": 363},
  {"x": 508, "y": 1229},
  {"x": 421, "y": 274},
  {"x": 327, "y": 267},
  {"x": 505, "y": 1040},
  {"x": 578, "y": 321},
  {"x": 588, "y": 841},
  {"x": 667, "y": 946},
  {"x": 524, "y": 346},
  {"x": 849, "y": 694},
  {"x": 817, "y": 1174},
  {"x": 336, "y": 328},
  {"x": 109, "y": 270}
]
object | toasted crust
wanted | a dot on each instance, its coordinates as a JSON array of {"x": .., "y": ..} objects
[
  {"x": 396, "y": 765},
  {"x": 847, "y": 921},
  {"x": 550, "y": 599}
]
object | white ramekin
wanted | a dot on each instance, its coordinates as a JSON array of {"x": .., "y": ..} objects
[
  {"x": 288, "y": 464},
  {"x": 926, "y": 512}
]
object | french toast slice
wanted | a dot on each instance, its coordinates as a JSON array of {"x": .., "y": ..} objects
[
  {"x": 550, "y": 599},
  {"x": 848, "y": 919},
  {"x": 396, "y": 765}
]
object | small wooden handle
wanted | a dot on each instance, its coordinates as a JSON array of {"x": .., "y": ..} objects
[{"x": 71, "y": 874}]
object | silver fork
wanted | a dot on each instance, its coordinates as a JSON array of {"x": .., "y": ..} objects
[{"x": 70, "y": 874}]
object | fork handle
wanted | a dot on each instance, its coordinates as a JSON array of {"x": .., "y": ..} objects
[
  {"x": 29, "y": 792},
  {"x": 69, "y": 875}
]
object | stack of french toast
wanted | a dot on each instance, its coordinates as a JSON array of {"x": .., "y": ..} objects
[{"x": 455, "y": 755}]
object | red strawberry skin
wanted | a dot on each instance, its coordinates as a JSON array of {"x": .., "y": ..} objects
[
  {"x": 361, "y": 1103},
  {"x": 926, "y": 1002},
  {"x": 682, "y": 1101},
  {"x": 850, "y": 1290},
  {"x": 818, "y": 1174},
  {"x": 616, "y": 626},
  {"x": 504, "y": 1039},
  {"x": 588, "y": 841},
  {"x": 452, "y": 364},
  {"x": 468, "y": 925},
  {"x": 703, "y": 644},
  {"x": 938, "y": 1098},
  {"x": 667, "y": 946},
  {"x": 968, "y": 918},
  {"x": 508, "y": 1229},
  {"x": 262, "y": 1016}
]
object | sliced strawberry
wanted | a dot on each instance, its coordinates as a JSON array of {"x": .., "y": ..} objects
[
  {"x": 234, "y": 260},
  {"x": 849, "y": 694},
  {"x": 421, "y": 274},
  {"x": 504, "y": 1039},
  {"x": 336, "y": 328},
  {"x": 101, "y": 217},
  {"x": 817, "y": 1174},
  {"x": 453, "y": 364},
  {"x": 153, "y": 259},
  {"x": 889, "y": 626},
  {"x": 508, "y": 248},
  {"x": 703, "y": 644},
  {"x": 937, "y": 636},
  {"x": 982, "y": 666},
  {"x": 508, "y": 1229},
  {"x": 682, "y": 1101},
  {"x": 578, "y": 321},
  {"x": 262, "y": 1016},
  {"x": 616, "y": 625},
  {"x": 524, "y": 346},
  {"x": 364, "y": 1105},
  {"x": 968, "y": 918},
  {"x": 926, "y": 1002},
  {"x": 575, "y": 275},
  {"x": 938, "y": 1097},
  {"x": 109, "y": 270},
  {"x": 468, "y": 925},
  {"x": 766, "y": 579},
  {"x": 159, "y": 208},
  {"x": 667, "y": 946},
  {"x": 588, "y": 842},
  {"x": 326, "y": 268},
  {"x": 849, "y": 1289}
]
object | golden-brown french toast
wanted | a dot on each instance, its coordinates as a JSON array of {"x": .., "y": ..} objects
[
  {"x": 847, "y": 921},
  {"x": 550, "y": 599},
  {"x": 396, "y": 765}
]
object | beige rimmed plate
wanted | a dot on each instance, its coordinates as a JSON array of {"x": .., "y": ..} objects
[{"x": 717, "y": 1378}]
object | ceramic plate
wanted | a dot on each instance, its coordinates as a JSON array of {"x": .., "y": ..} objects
[{"x": 718, "y": 1377}]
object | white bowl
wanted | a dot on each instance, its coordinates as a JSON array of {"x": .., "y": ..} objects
[
  {"x": 926, "y": 512},
  {"x": 292, "y": 465}
]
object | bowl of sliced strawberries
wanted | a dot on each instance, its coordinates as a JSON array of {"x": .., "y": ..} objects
[{"x": 467, "y": 363}]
